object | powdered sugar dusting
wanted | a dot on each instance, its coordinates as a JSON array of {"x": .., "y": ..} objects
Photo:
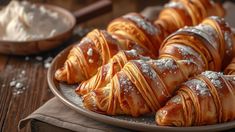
[
  {"x": 147, "y": 69},
  {"x": 229, "y": 42},
  {"x": 147, "y": 26},
  {"x": 199, "y": 86},
  {"x": 90, "y": 52},
  {"x": 214, "y": 77},
  {"x": 165, "y": 64},
  {"x": 105, "y": 69},
  {"x": 217, "y": 19},
  {"x": 132, "y": 52},
  {"x": 176, "y": 99},
  {"x": 203, "y": 34},
  {"x": 186, "y": 50},
  {"x": 174, "y": 4},
  {"x": 125, "y": 83},
  {"x": 211, "y": 33},
  {"x": 86, "y": 40},
  {"x": 91, "y": 61}
]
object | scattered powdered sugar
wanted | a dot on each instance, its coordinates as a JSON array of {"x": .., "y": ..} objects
[
  {"x": 186, "y": 50},
  {"x": 126, "y": 84},
  {"x": 201, "y": 33},
  {"x": 229, "y": 42},
  {"x": 90, "y": 52},
  {"x": 145, "y": 58},
  {"x": 18, "y": 83},
  {"x": 174, "y": 4},
  {"x": 109, "y": 38},
  {"x": 144, "y": 24},
  {"x": 3, "y": 85},
  {"x": 147, "y": 69},
  {"x": 47, "y": 62},
  {"x": 86, "y": 40},
  {"x": 149, "y": 119},
  {"x": 214, "y": 77},
  {"x": 105, "y": 69},
  {"x": 212, "y": 2},
  {"x": 164, "y": 64},
  {"x": 91, "y": 61},
  {"x": 39, "y": 58},
  {"x": 26, "y": 58},
  {"x": 211, "y": 33},
  {"x": 217, "y": 19},
  {"x": 132, "y": 52},
  {"x": 199, "y": 86},
  {"x": 176, "y": 99}
]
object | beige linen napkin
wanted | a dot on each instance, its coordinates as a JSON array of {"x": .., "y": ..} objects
[{"x": 55, "y": 113}]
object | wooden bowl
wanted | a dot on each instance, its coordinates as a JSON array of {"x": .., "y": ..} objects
[{"x": 39, "y": 45}]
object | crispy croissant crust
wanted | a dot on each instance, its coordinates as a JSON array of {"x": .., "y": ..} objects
[
  {"x": 206, "y": 99},
  {"x": 137, "y": 28},
  {"x": 230, "y": 69},
  {"x": 212, "y": 39},
  {"x": 95, "y": 49},
  {"x": 106, "y": 72},
  {"x": 140, "y": 87},
  {"x": 180, "y": 13}
]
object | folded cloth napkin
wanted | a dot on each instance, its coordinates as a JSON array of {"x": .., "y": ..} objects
[{"x": 55, "y": 113}]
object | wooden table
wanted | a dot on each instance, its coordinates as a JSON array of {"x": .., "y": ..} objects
[{"x": 30, "y": 70}]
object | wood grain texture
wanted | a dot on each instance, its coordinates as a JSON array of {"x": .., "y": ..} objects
[{"x": 15, "y": 107}]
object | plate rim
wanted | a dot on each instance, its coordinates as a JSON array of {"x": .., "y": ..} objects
[{"x": 118, "y": 122}]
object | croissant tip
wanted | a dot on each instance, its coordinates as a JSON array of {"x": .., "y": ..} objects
[
  {"x": 60, "y": 74},
  {"x": 89, "y": 101},
  {"x": 170, "y": 115},
  {"x": 77, "y": 90}
]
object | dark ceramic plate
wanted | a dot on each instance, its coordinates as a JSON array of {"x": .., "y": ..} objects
[{"x": 67, "y": 95}]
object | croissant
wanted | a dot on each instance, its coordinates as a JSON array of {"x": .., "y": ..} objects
[
  {"x": 137, "y": 28},
  {"x": 192, "y": 43},
  {"x": 208, "y": 98},
  {"x": 180, "y": 13},
  {"x": 93, "y": 50},
  {"x": 132, "y": 27},
  {"x": 140, "y": 87},
  {"x": 214, "y": 43},
  {"x": 106, "y": 72}
]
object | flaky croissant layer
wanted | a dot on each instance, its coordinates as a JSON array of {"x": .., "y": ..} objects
[
  {"x": 141, "y": 87},
  {"x": 208, "y": 98}
]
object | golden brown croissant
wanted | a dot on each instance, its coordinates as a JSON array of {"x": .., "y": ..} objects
[
  {"x": 139, "y": 29},
  {"x": 200, "y": 44},
  {"x": 106, "y": 72},
  {"x": 214, "y": 42},
  {"x": 188, "y": 51},
  {"x": 93, "y": 50},
  {"x": 180, "y": 13},
  {"x": 205, "y": 99},
  {"x": 140, "y": 87}
]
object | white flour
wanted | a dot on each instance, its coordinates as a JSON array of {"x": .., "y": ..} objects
[{"x": 21, "y": 21}]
